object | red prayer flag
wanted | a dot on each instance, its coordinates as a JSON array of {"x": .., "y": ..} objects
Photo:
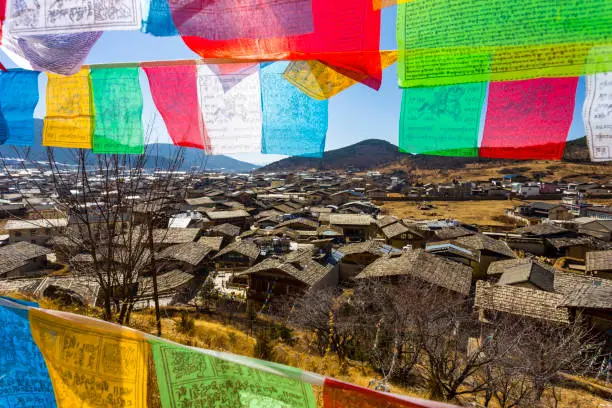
[
  {"x": 2, "y": 16},
  {"x": 338, "y": 394},
  {"x": 528, "y": 119},
  {"x": 175, "y": 94},
  {"x": 346, "y": 35}
]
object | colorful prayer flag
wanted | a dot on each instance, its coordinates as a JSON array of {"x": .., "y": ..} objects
[
  {"x": 92, "y": 363},
  {"x": 18, "y": 99},
  {"x": 528, "y": 119},
  {"x": 443, "y": 42},
  {"x": 321, "y": 81},
  {"x": 293, "y": 122},
  {"x": 231, "y": 109},
  {"x": 118, "y": 109},
  {"x": 59, "y": 53},
  {"x": 157, "y": 19},
  {"x": 24, "y": 379},
  {"x": 346, "y": 35},
  {"x": 254, "y": 19},
  {"x": 441, "y": 121},
  {"x": 68, "y": 122},
  {"x": 175, "y": 93},
  {"x": 597, "y": 115},
  {"x": 188, "y": 376},
  {"x": 42, "y": 17}
]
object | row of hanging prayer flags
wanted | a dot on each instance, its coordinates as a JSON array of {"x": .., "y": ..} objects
[
  {"x": 250, "y": 110},
  {"x": 57, "y": 359},
  {"x": 237, "y": 108},
  {"x": 440, "y": 42}
]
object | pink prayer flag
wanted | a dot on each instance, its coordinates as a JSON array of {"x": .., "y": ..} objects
[
  {"x": 236, "y": 19},
  {"x": 528, "y": 119},
  {"x": 175, "y": 94}
]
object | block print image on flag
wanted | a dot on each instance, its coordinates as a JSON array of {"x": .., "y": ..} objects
[
  {"x": 441, "y": 120},
  {"x": 443, "y": 42},
  {"x": 189, "y": 377},
  {"x": 68, "y": 122},
  {"x": 231, "y": 108},
  {"x": 231, "y": 19},
  {"x": 40, "y": 17},
  {"x": 528, "y": 119},
  {"x": 597, "y": 115},
  {"x": 293, "y": 122},
  {"x": 92, "y": 363}
]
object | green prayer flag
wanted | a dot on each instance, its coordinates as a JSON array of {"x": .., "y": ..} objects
[
  {"x": 441, "y": 121},
  {"x": 118, "y": 111},
  {"x": 443, "y": 42},
  {"x": 187, "y": 377}
]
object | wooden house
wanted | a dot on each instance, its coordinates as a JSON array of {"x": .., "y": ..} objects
[
  {"x": 22, "y": 259},
  {"x": 236, "y": 257}
]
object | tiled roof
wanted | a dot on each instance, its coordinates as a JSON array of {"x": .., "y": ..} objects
[
  {"x": 350, "y": 219},
  {"x": 499, "y": 267},
  {"x": 229, "y": 230},
  {"x": 589, "y": 296},
  {"x": 424, "y": 266},
  {"x": 541, "y": 230},
  {"x": 306, "y": 271},
  {"x": 305, "y": 221},
  {"x": 15, "y": 256},
  {"x": 190, "y": 252},
  {"x": 394, "y": 230},
  {"x": 370, "y": 246},
  {"x": 567, "y": 282},
  {"x": 444, "y": 234},
  {"x": 599, "y": 261},
  {"x": 386, "y": 220},
  {"x": 167, "y": 282},
  {"x": 533, "y": 272},
  {"x": 35, "y": 224},
  {"x": 246, "y": 248},
  {"x": 482, "y": 242},
  {"x": 516, "y": 300}
]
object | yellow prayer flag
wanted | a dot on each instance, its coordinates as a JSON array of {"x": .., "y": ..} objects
[
  {"x": 68, "y": 122},
  {"x": 320, "y": 81},
  {"x": 91, "y": 363}
]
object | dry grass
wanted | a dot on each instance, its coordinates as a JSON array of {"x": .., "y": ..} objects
[
  {"x": 469, "y": 212},
  {"x": 553, "y": 170}
]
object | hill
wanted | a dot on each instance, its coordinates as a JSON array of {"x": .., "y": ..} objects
[
  {"x": 159, "y": 153},
  {"x": 384, "y": 156}
]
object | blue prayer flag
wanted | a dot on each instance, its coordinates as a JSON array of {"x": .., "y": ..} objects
[
  {"x": 158, "y": 20},
  {"x": 293, "y": 123},
  {"x": 24, "y": 379},
  {"x": 18, "y": 98}
]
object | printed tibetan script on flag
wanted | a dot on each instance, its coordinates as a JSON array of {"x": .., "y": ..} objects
[
  {"x": 597, "y": 115},
  {"x": 31, "y": 17}
]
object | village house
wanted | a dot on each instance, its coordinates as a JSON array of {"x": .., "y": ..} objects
[
  {"x": 399, "y": 236},
  {"x": 356, "y": 256},
  {"x": 236, "y": 257},
  {"x": 34, "y": 231},
  {"x": 356, "y": 228},
  {"x": 599, "y": 263},
  {"x": 274, "y": 278},
  {"x": 191, "y": 257},
  {"x": 174, "y": 286},
  {"x": 23, "y": 259},
  {"x": 600, "y": 229},
  {"x": 418, "y": 264},
  {"x": 228, "y": 232},
  {"x": 239, "y": 218}
]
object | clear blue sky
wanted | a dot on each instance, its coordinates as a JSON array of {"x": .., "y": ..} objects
[{"x": 356, "y": 114}]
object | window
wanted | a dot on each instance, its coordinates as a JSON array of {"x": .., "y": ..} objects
[
  {"x": 33, "y": 232},
  {"x": 17, "y": 233}
]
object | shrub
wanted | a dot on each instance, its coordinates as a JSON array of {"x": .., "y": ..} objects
[
  {"x": 264, "y": 345},
  {"x": 186, "y": 324}
]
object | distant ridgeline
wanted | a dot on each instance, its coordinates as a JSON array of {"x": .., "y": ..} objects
[
  {"x": 193, "y": 157},
  {"x": 373, "y": 153}
]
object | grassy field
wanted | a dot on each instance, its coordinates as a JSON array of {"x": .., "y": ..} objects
[{"x": 469, "y": 212}]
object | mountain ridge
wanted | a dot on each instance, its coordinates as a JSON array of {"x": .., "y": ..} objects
[
  {"x": 373, "y": 154},
  {"x": 163, "y": 151}
]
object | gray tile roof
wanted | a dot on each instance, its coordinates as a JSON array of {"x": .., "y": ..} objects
[
  {"x": 424, "y": 266},
  {"x": 589, "y": 296},
  {"x": 213, "y": 242},
  {"x": 516, "y": 300},
  {"x": 221, "y": 215},
  {"x": 533, "y": 272},
  {"x": 386, "y": 220},
  {"x": 499, "y": 267},
  {"x": 293, "y": 223},
  {"x": 370, "y": 246},
  {"x": 16, "y": 255},
  {"x": 227, "y": 229},
  {"x": 246, "y": 248},
  {"x": 567, "y": 282},
  {"x": 394, "y": 230},
  {"x": 306, "y": 271},
  {"x": 452, "y": 233},
  {"x": 599, "y": 261},
  {"x": 541, "y": 230},
  {"x": 167, "y": 282},
  {"x": 482, "y": 242},
  {"x": 190, "y": 252}
]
